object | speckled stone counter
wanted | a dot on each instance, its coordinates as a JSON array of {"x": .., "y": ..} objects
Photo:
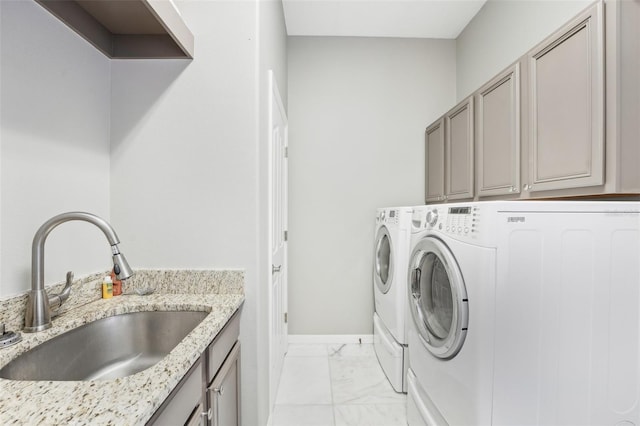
[{"x": 130, "y": 400}]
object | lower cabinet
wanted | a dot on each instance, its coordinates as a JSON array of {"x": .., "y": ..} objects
[
  {"x": 209, "y": 394},
  {"x": 224, "y": 391},
  {"x": 180, "y": 407},
  {"x": 197, "y": 416},
  {"x": 223, "y": 376}
]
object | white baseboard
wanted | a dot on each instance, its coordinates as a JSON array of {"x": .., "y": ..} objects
[{"x": 297, "y": 339}]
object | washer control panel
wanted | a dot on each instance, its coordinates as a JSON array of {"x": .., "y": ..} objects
[{"x": 458, "y": 220}]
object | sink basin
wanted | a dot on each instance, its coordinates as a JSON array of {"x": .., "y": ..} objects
[{"x": 108, "y": 348}]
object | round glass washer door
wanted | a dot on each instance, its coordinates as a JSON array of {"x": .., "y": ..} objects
[
  {"x": 383, "y": 260},
  {"x": 438, "y": 298}
]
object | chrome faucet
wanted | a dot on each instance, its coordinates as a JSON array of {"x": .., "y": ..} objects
[{"x": 38, "y": 312}]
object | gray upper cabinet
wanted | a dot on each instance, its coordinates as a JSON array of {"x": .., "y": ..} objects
[
  {"x": 150, "y": 29},
  {"x": 434, "y": 161},
  {"x": 623, "y": 97},
  {"x": 498, "y": 134},
  {"x": 459, "y": 151},
  {"x": 566, "y": 106},
  {"x": 449, "y": 155},
  {"x": 554, "y": 124}
]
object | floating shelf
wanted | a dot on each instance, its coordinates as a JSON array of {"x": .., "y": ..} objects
[{"x": 127, "y": 29}]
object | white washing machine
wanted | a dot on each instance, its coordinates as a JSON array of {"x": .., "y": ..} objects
[
  {"x": 391, "y": 250},
  {"x": 549, "y": 330},
  {"x": 451, "y": 290},
  {"x": 567, "y": 335}
]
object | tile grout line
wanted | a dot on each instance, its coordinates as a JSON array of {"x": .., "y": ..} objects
[{"x": 333, "y": 406}]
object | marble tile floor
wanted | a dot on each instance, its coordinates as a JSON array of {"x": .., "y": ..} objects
[{"x": 336, "y": 385}]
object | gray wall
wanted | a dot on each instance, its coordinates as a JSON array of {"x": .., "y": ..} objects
[
  {"x": 357, "y": 112},
  {"x": 188, "y": 161},
  {"x": 54, "y": 152},
  {"x": 501, "y": 32},
  {"x": 172, "y": 152},
  {"x": 358, "y": 106}
]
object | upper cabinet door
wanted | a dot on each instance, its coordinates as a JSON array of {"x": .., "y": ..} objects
[
  {"x": 498, "y": 134},
  {"x": 434, "y": 161},
  {"x": 459, "y": 151},
  {"x": 566, "y": 101}
]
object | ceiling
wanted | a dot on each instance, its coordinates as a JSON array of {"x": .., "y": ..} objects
[{"x": 380, "y": 18}]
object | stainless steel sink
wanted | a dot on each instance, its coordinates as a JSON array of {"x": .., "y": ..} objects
[{"x": 108, "y": 348}]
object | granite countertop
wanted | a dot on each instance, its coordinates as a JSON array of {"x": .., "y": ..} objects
[{"x": 128, "y": 400}]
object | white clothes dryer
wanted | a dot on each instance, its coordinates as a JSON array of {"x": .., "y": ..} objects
[
  {"x": 391, "y": 250},
  {"x": 567, "y": 337},
  {"x": 451, "y": 290}
]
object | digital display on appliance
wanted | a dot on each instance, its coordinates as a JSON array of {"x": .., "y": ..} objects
[
  {"x": 392, "y": 213},
  {"x": 459, "y": 210}
]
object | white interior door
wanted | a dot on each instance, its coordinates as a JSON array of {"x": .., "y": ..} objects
[{"x": 278, "y": 128}]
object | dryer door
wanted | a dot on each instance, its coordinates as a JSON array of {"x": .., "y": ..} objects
[
  {"x": 438, "y": 298},
  {"x": 383, "y": 260}
]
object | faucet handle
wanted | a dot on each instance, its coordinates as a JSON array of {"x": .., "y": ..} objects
[{"x": 56, "y": 301}]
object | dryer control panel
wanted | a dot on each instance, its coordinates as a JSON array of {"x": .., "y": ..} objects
[{"x": 388, "y": 216}]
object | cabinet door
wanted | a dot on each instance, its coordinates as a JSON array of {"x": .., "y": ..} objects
[
  {"x": 180, "y": 406},
  {"x": 224, "y": 391},
  {"x": 498, "y": 134},
  {"x": 459, "y": 151},
  {"x": 566, "y": 101},
  {"x": 434, "y": 161},
  {"x": 197, "y": 416}
]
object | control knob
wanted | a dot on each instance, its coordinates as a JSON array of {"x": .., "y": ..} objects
[{"x": 432, "y": 217}]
